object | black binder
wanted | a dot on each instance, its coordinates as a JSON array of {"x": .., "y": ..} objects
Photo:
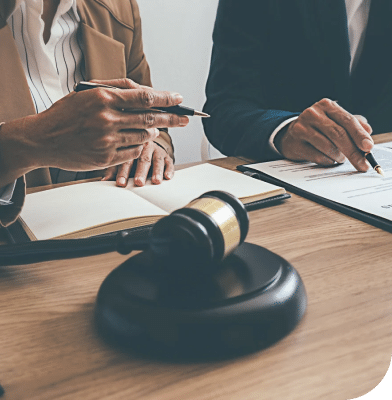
[{"x": 363, "y": 216}]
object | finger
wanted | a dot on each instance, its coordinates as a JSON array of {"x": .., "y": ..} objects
[
  {"x": 322, "y": 121},
  {"x": 320, "y": 142},
  {"x": 158, "y": 165},
  {"x": 169, "y": 168},
  {"x": 306, "y": 152},
  {"x": 110, "y": 173},
  {"x": 364, "y": 122},
  {"x": 123, "y": 173},
  {"x": 134, "y": 137},
  {"x": 354, "y": 131},
  {"x": 125, "y": 154},
  {"x": 152, "y": 119},
  {"x": 145, "y": 98},
  {"x": 144, "y": 164}
]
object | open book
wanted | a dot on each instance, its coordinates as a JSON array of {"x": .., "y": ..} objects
[{"x": 93, "y": 208}]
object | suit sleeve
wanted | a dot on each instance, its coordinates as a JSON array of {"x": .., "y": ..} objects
[
  {"x": 241, "y": 120},
  {"x": 139, "y": 71}
]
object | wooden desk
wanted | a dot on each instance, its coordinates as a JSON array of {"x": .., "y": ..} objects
[{"x": 341, "y": 350}]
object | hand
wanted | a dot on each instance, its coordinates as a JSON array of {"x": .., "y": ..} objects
[
  {"x": 326, "y": 133},
  {"x": 93, "y": 129},
  {"x": 153, "y": 156}
]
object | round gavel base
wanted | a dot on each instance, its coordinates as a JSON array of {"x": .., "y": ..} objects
[{"x": 251, "y": 300}]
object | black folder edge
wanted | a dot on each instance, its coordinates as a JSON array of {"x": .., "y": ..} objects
[
  {"x": 363, "y": 216},
  {"x": 263, "y": 203}
]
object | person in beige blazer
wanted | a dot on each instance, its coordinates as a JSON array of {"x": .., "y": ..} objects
[{"x": 90, "y": 130}]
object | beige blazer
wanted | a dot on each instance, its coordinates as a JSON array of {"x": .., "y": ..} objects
[{"x": 112, "y": 47}]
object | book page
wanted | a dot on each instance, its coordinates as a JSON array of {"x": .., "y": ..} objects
[
  {"x": 190, "y": 183},
  {"x": 369, "y": 192},
  {"x": 59, "y": 211}
]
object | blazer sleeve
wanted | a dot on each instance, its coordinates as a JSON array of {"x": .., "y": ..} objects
[
  {"x": 139, "y": 71},
  {"x": 241, "y": 119}
]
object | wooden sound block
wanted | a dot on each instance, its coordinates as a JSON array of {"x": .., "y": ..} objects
[{"x": 247, "y": 302}]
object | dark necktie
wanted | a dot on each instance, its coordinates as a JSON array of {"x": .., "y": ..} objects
[{"x": 374, "y": 68}]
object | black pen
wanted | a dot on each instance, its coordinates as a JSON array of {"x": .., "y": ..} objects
[
  {"x": 375, "y": 165},
  {"x": 178, "y": 110}
]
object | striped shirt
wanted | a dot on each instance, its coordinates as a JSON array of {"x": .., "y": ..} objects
[{"x": 51, "y": 69}]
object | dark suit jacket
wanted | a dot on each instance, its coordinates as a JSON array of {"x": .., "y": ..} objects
[{"x": 274, "y": 58}]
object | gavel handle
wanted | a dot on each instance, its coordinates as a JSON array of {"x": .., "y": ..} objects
[{"x": 59, "y": 249}]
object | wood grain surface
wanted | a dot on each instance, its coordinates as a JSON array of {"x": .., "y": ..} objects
[{"x": 49, "y": 348}]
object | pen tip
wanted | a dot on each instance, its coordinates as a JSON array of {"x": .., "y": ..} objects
[
  {"x": 380, "y": 171},
  {"x": 202, "y": 114}
]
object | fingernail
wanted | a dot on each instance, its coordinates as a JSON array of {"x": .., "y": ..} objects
[
  {"x": 184, "y": 121},
  {"x": 121, "y": 181},
  {"x": 156, "y": 179},
  {"x": 177, "y": 97},
  {"x": 139, "y": 181},
  {"x": 169, "y": 175}
]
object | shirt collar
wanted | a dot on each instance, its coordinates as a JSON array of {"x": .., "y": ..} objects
[{"x": 63, "y": 7}]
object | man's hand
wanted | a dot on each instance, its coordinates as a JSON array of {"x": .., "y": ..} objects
[
  {"x": 152, "y": 156},
  {"x": 326, "y": 133},
  {"x": 93, "y": 129}
]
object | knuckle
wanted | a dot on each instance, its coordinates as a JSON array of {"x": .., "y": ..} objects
[
  {"x": 147, "y": 98},
  {"x": 159, "y": 158},
  {"x": 106, "y": 120},
  {"x": 325, "y": 102},
  {"x": 104, "y": 160},
  {"x": 144, "y": 158},
  {"x": 106, "y": 142},
  {"x": 149, "y": 119},
  {"x": 337, "y": 132},
  {"x": 309, "y": 113},
  {"x": 347, "y": 119},
  {"x": 104, "y": 97},
  {"x": 174, "y": 120},
  {"x": 167, "y": 98},
  {"x": 143, "y": 136},
  {"x": 299, "y": 129}
]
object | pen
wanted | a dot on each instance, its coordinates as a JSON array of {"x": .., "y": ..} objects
[
  {"x": 375, "y": 165},
  {"x": 178, "y": 110},
  {"x": 372, "y": 161}
]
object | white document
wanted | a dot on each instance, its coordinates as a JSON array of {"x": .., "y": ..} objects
[{"x": 368, "y": 192}]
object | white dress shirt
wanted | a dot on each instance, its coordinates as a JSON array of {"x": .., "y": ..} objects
[
  {"x": 51, "y": 69},
  {"x": 357, "y": 19}
]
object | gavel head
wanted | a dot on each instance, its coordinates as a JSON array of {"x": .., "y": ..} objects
[{"x": 205, "y": 231}]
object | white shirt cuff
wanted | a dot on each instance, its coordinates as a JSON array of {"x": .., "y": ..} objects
[
  {"x": 277, "y": 130},
  {"x": 6, "y": 194}
]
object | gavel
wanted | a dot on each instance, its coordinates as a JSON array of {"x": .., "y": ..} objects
[{"x": 206, "y": 230}]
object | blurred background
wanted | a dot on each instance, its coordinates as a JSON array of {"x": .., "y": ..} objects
[{"x": 177, "y": 37}]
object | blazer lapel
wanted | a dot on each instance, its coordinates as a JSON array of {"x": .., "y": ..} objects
[{"x": 104, "y": 57}]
